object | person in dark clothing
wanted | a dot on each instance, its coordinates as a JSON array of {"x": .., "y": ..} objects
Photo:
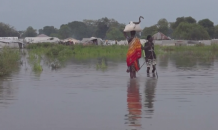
[{"x": 150, "y": 54}]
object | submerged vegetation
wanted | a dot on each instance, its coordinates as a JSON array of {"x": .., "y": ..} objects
[
  {"x": 63, "y": 53},
  {"x": 102, "y": 64},
  {"x": 194, "y": 52},
  {"x": 9, "y": 61},
  {"x": 55, "y": 55}
]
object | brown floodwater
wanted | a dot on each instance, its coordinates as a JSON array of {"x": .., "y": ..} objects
[{"x": 79, "y": 97}]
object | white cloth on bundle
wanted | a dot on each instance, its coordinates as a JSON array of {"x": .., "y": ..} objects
[{"x": 132, "y": 27}]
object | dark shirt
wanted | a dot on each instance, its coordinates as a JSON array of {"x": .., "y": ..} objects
[{"x": 149, "y": 50}]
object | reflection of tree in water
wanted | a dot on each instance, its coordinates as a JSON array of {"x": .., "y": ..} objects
[
  {"x": 185, "y": 59},
  {"x": 6, "y": 92},
  {"x": 150, "y": 86},
  {"x": 182, "y": 60},
  {"x": 134, "y": 105}
]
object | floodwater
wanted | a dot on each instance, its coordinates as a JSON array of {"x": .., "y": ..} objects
[{"x": 79, "y": 97}]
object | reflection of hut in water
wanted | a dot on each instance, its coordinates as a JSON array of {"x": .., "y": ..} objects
[
  {"x": 150, "y": 86},
  {"x": 134, "y": 105}
]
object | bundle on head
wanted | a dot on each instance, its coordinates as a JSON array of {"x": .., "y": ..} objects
[{"x": 133, "y": 26}]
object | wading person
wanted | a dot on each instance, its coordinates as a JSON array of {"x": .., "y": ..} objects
[
  {"x": 150, "y": 54},
  {"x": 134, "y": 51}
]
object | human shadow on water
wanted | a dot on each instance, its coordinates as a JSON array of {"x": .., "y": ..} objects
[
  {"x": 134, "y": 106},
  {"x": 149, "y": 93}
]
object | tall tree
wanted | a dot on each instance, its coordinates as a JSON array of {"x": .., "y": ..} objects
[
  {"x": 103, "y": 25},
  {"x": 30, "y": 32},
  {"x": 190, "y": 19},
  {"x": 163, "y": 26},
  {"x": 183, "y": 19},
  {"x": 114, "y": 34},
  {"x": 208, "y": 25},
  {"x": 91, "y": 27},
  {"x": 190, "y": 31},
  {"x": 64, "y": 31},
  {"x": 216, "y": 32},
  {"x": 8, "y": 31},
  {"x": 149, "y": 31},
  {"x": 48, "y": 30},
  {"x": 78, "y": 29}
]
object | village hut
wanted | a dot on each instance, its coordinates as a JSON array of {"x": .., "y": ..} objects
[
  {"x": 42, "y": 35},
  {"x": 70, "y": 41},
  {"x": 92, "y": 41},
  {"x": 11, "y": 42},
  {"x": 160, "y": 36}
]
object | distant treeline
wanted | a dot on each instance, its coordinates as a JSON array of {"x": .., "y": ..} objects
[{"x": 186, "y": 28}]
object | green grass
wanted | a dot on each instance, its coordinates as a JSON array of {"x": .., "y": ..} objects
[
  {"x": 197, "y": 52},
  {"x": 116, "y": 52},
  {"x": 63, "y": 53},
  {"x": 9, "y": 61},
  {"x": 35, "y": 60},
  {"x": 56, "y": 55},
  {"x": 37, "y": 67}
]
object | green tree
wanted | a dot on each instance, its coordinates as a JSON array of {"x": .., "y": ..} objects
[
  {"x": 149, "y": 31},
  {"x": 8, "y": 31},
  {"x": 216, "y": 31},
  {"x": 64, "y": 31},
  {"x": 162, "y": 26},
  {"x": 183, "y": 19},
  {"x": 30, "y": 32},
  {"x": 48, "y": 30},
  {"x": 91, "y": 27},
  {"x": 190, "y": 20},
  {"x": 190, "y": 31},
  {"x": 90, "y": 22},
  {"x": 114, "y": 34},
  {"x": 40, "y": 31},
  {"x": 208, "y": 25},
  {"x": 103, "y": 25},
  {"x": 78, "y": 29}
]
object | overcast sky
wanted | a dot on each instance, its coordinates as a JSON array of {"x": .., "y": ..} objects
[{"x": 40, "y": 13}]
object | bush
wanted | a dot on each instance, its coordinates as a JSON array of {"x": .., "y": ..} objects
[{"x": 9, "y": 61}]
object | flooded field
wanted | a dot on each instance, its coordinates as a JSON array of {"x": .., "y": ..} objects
[{"x": 80, "y": 97}]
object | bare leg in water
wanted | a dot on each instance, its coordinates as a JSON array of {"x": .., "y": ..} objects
[
  {"x": 154, "y": 68},
  {"x": 148, "y": 70},
  {"x": 134, "y": 74},
  {"x": 131, "y": 74}
]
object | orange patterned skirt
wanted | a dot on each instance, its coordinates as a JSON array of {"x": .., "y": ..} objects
[{"x": 133, "y": 54}]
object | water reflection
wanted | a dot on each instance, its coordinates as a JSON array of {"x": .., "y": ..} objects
[
  {"x": 183, "y": 60},
  {"x": 7, "y": 91},
  {"x": 150, "y": 86},
  {"x": 163, "y": 60},
  {"x": 134, "y": 106}
]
